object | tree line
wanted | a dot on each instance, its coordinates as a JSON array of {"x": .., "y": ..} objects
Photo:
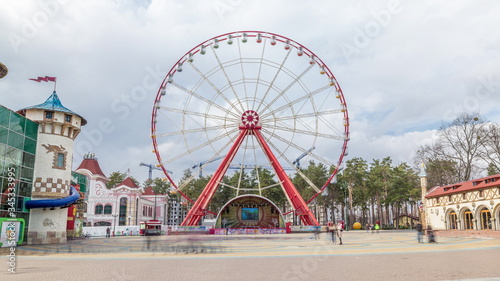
[{"x": 363, "y": 191}]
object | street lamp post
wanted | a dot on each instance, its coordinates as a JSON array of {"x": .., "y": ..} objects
[
  {"x": 151, "y": 167},
  {"x": 114, "y": 224}
]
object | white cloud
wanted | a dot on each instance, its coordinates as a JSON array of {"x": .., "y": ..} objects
[{"x": 426, "y": 62}]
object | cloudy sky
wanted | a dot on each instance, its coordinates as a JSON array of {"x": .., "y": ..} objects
[{"x": 404, "y": 66}]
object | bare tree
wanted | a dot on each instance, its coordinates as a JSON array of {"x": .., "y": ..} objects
[
  {"x": 456, "y": 154},
  {"x": 462, "y": 141},
  {"x": 491, "y": 150}
]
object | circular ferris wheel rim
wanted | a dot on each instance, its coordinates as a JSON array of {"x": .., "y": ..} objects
[{"x": 251, "y": 34}]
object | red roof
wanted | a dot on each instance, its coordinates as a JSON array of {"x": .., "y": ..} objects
[
  {"x": 91, "y": 164},
  {"x": 149, "y": 191},
  {"x": 128, "y": 182},
  {"x": 486, "y": 182}
]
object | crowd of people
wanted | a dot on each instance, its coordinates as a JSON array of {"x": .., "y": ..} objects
[{"x": 335, "y": 230}]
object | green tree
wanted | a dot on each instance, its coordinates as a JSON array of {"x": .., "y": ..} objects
[
  {"x": 314, "y": 174},
  {"x": 404, "y": 185},
  {"x": 273, "y": 191},
  {"x": 355, "y": 177},
  {"x": 378, "y": 185},
  {"x": 117, "y": 177},
  {"x": 192, "y": 186},
  {"x": 158, "y": 185}
]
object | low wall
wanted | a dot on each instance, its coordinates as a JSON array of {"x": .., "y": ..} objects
[
  {"x": 231, "y": 231},
  {"x": 302, "y": 228},
  {"x": 469, "y": 233},
  {"x": 100, "y": 231}
]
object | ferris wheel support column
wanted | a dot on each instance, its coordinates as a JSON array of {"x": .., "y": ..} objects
[
  {"x": 301, "y": 208},
  {"x": 199, "y": 208}
]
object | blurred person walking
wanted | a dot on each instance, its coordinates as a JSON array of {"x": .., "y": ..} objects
[
  {"x": 430, "y": 234},
  {"x": 339, "y": 230},
  {"x": 419, "y": 233},
  {"x": 332, "y": 229}
]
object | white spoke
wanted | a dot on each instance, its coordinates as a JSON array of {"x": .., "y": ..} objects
[
  {"x": 260, "y": 69},
  {"x": 194, "y": 149},
  {"x": 192, "y": 131},
  {"x": 308, "y": 96},
  {"x": 274, "y": 79},
  {"x": 312, "y": 114},
  {"x": 309, "y": 182},
  {"x": 228, "y": 81},
  {"x": 286, "y": 89},
  {"x": 199, "y": 114},
  {"x": 310, "y": 133},
  {"x": 203, "y": 99},
  {"x": 321, "y": 159}
]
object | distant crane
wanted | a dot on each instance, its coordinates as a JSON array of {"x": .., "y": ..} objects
[
  {"x": 297, "y": 161},
  {"x": 201, "y": 164},
  {"x": 151, "y": 167}
]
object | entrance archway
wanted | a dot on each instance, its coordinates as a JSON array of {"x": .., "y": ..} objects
[
  {"x": 250, "y": 211},
  {"x": 468, "y": 220},
  {"x": 485, "y": 219},
  {"x": 452, "y": 220}
]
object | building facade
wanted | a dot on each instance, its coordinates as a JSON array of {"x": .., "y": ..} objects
[
  {"x": 124, "y": 205},
  {"x": 18, "y": 142},
  {"x": 58, "y": 127},
  {"x": 469, "y": 205}
]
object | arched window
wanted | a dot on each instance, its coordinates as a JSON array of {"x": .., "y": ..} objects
[
  {"x": 453, "y": 220},
  {"x": 98, "y": 209},
  {"x": 123, "y": 211},
  {"x": 485, "y": 219},
  {"x": 468, "y": 220},
  {"x": 108, "y": 209}
]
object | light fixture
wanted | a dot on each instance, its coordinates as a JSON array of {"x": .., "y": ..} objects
[
  {"x": 287, "y": 45},
  {"x": 300, "y": 52},
  {"x": 312, "y": 60}
]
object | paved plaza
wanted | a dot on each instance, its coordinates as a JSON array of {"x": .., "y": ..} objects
[{"x": 388, "y": 255}]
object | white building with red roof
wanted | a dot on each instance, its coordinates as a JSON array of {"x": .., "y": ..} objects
[
  {"x": 469, "y": 205},
  {"x": 127, "y": 204}
]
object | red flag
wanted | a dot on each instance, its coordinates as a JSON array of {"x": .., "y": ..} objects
[
  {"x": 35, "y": 80},
  {"x": 53, "y": 79},
  {"x": 43, "y": 79}
]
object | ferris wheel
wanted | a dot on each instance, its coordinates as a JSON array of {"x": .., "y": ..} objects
[{"x": 246, "y": 101}]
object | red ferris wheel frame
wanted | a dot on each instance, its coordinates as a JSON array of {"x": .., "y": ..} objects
[{"x": 250, "y": 128}]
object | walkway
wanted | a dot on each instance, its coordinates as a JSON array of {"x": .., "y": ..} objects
[{"x": 388, "y": 255}]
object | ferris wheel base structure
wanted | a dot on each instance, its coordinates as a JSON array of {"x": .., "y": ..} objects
[{"x": 250, "y": 127}]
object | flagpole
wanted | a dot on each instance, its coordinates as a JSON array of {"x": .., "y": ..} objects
[{"x": 45, "y": 79}]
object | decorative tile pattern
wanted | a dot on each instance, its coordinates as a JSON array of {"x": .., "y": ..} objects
[{"x": 50, "y": 188}]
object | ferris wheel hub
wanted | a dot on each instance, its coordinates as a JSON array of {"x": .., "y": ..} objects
[{"x": 250, "y": 120}]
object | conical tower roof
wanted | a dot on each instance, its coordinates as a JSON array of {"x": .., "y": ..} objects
[
  {"x": 90, "y": 164},
  {"x": 53, "y": 103}
]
